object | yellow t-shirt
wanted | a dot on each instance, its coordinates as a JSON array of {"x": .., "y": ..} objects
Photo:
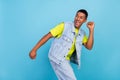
[{"x": 57, "y": 32}]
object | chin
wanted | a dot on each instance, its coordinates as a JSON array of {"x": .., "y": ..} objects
[{"x": 76, "y": 27}]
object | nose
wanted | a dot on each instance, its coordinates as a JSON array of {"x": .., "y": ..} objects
[{"x": 77, "y": 18}]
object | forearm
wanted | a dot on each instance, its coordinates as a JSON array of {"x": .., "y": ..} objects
[
  {"x": 42, "y": 41},
  {"x": 90, "y": 41}
]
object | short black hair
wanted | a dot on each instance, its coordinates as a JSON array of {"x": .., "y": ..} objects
[{"x": 83, "y": 11}]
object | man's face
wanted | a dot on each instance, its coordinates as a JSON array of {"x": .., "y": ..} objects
[{"x": 80, "y": 18}]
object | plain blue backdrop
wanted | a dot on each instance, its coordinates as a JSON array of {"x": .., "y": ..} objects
[{"x": 24, "y": 22}]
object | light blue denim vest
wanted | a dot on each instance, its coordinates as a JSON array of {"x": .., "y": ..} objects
[{"x": 61, "y": 46}]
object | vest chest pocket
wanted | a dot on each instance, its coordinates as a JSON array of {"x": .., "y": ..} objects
[{"x": 65, "y": 40}]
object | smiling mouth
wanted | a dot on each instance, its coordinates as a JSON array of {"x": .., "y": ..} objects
[{"x": 77, "y": 22}]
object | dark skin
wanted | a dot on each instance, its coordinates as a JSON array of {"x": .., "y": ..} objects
[{"x": 79, "y": 19}]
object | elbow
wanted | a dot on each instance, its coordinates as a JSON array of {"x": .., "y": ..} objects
[{"x": 89, "y": 47}]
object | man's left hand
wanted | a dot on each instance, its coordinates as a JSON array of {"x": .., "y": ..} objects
[{"x": 90, "y": 25}]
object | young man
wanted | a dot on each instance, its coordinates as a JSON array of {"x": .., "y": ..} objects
[{"x": 67, "y": 45}]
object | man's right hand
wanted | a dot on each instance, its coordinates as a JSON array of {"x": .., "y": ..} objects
[
  {"x": 44, "y": 39},
  {"x": 32, "y": 54}
]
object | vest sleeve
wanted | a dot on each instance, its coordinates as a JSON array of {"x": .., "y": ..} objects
[{"x": 57, "y": 30}]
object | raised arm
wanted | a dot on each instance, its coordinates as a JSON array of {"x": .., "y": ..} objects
[
  {"x": 43, "y": 40},
  {"x": 90, "y": 41}
]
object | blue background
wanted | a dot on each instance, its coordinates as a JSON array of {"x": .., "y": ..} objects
[{"x": 24, "y": 22}]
